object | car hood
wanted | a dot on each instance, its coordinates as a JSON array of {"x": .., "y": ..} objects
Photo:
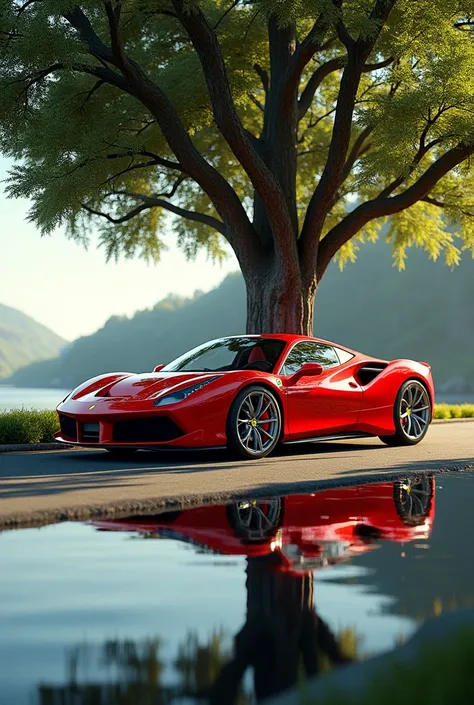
[{"x": 146, "y": 386}]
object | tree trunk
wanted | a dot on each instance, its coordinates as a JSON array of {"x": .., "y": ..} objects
[{"x": 280, "y": 304}]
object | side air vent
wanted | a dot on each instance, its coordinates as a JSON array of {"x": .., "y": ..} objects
[
  {"x": 369, "y": 372},
  {"x": 68, "y": 427}
]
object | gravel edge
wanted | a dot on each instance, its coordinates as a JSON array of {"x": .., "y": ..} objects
[{"x": 25, "y": 447}]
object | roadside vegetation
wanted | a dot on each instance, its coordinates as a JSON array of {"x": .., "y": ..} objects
[
  {"x": 454, "y": 411},
  {"x": 30, "y": 426},
  {"x": 439, "y": 674}
]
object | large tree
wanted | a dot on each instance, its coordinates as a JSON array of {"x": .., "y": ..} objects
[{"x": 289, "y": 128}]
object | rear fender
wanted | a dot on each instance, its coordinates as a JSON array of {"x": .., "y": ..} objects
[{"x": 379, "y": 395}]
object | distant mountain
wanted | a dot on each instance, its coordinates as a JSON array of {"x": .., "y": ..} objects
[
  {"x": 425, "y": 313},
  {"x": 23, "y": 340}
]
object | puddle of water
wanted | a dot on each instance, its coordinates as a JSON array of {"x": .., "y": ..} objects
[{"x": 223, "y": 604}]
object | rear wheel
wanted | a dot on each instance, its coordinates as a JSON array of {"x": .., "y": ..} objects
[
  {"x": 412, "y": 415},
  {"x": 254, "y": 423},
  {"x": 412, "y": 497}
]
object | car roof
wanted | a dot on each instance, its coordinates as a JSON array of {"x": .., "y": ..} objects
[{"x": 288, "y": 338}]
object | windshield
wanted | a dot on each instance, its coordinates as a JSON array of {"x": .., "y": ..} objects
[{"x": 244, "y": 353}]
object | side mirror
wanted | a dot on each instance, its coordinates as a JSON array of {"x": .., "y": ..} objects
[
  {"x": 309, "y": 369},
  {"x": 158, "y": 368}
]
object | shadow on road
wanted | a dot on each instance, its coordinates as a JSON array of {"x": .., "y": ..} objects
[{"x": 29, "y": 475}]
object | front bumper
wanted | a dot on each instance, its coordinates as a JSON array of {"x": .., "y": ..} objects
[{"x": 104, "y": 423}]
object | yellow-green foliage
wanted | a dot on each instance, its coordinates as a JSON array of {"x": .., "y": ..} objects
[
  {"x": 28, "y": 426},
  {"x": 439, "y": 674},
  {"x": 454, "y": 411},
  {"x": 78, "y": 140}
]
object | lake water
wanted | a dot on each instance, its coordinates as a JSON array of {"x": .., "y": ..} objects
[
  {"x": 220, "y": 604},
  {"x": 36, "y": 398},
  {"x": 24, "y": 397}
]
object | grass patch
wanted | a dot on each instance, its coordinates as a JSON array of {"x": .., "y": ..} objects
[
  {"x": 28, "y": 426},
  {"x": 440, "y": 673},
  {"x": 454, "y": 411}
]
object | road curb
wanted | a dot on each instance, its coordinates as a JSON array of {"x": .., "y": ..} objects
[
  {"x": 471, "y": 419},
  {"x": 25, "y": 447}
]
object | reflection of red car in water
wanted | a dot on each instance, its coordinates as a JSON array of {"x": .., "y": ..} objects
[{"x": 307, "y": 531}]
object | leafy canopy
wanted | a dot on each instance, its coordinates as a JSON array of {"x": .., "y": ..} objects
[{"x": 83, "y": 114}]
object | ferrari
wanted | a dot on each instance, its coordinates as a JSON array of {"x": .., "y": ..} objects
[
  {"x": 251, "y": 393},
  {"x": 305, "y": 532}
]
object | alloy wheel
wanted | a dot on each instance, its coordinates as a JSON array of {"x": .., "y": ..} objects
[
  {"x": 413, "y": 496},
  {"x": 258, "y": 422},
  {"x": 415, "y": 410},
  {"x": 255, "y": 519}
]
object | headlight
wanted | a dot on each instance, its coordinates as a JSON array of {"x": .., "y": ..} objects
[{"x": 181, "y": 394}]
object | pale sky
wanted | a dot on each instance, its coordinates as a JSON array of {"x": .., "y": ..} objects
[{"x": 74, "y": 291}]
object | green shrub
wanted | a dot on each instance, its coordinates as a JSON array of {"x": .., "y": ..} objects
[
  {"x": 28, "y": 426},
  {"x": 453, "y": 411},
  {"x": 441, "y": 411}
]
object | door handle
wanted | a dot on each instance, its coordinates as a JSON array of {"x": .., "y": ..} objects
[{"x": 354, "y": 385}]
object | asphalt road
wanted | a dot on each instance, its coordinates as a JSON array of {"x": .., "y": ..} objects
[{"x": 47, "y": 486}]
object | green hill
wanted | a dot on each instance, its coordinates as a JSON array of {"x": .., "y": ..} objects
[
  {"x": 425, "y": 313},
  {"x": 23, "y": 340}
]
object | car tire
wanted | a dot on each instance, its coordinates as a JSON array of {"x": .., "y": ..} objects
[
  {"x": 413, "y": 497},
  {"x": 254, "y": 423},
  {"x": 255, "y": 520},
  {"x": 411, "y": 413}
]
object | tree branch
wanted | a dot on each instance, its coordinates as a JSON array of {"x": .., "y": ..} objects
[
  {"x": 210, "y": 55},
  {"x": 324, "y": 70},
  {"x": 25, "y": 5},
  {"x": 358, "y": 52},
  {"x": 157, "y": 202},
  {"x": 263, "y": 76},
  {"x": 224, "y": 15},
  {"x": 355, "y": 152},
  {"x": 239, "y": 231},
  {"x": 315, "y": 81},
  {"x": 383, "y": 206},
  {"x": 305, "y": 51},
  {"x": 117, "y": 221},
  {"x": 83, "y": 27},
  {"x": 91, "y": 92},
  {"x": 442, "y": 204}
]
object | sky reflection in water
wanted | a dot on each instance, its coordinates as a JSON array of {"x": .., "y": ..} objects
[{"x": 228, "y": 601}]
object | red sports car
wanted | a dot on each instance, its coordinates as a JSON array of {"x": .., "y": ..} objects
[
  {"x": 249, "y": 393},
  {"x": 305, "y": 531}
]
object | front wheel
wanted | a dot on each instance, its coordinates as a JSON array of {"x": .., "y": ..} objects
[
  {"x": 412, "y": 415},
  {"x": 254, "y": 423},
  {"x": 255, "y": 520}
]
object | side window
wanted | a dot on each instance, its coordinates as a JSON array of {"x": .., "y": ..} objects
[
  {"x": 343, "y": 355},
  {"x": 309, "y": 352}
]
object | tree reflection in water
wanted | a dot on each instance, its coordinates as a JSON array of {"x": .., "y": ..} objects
[{"x": 282, "y": 641}]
